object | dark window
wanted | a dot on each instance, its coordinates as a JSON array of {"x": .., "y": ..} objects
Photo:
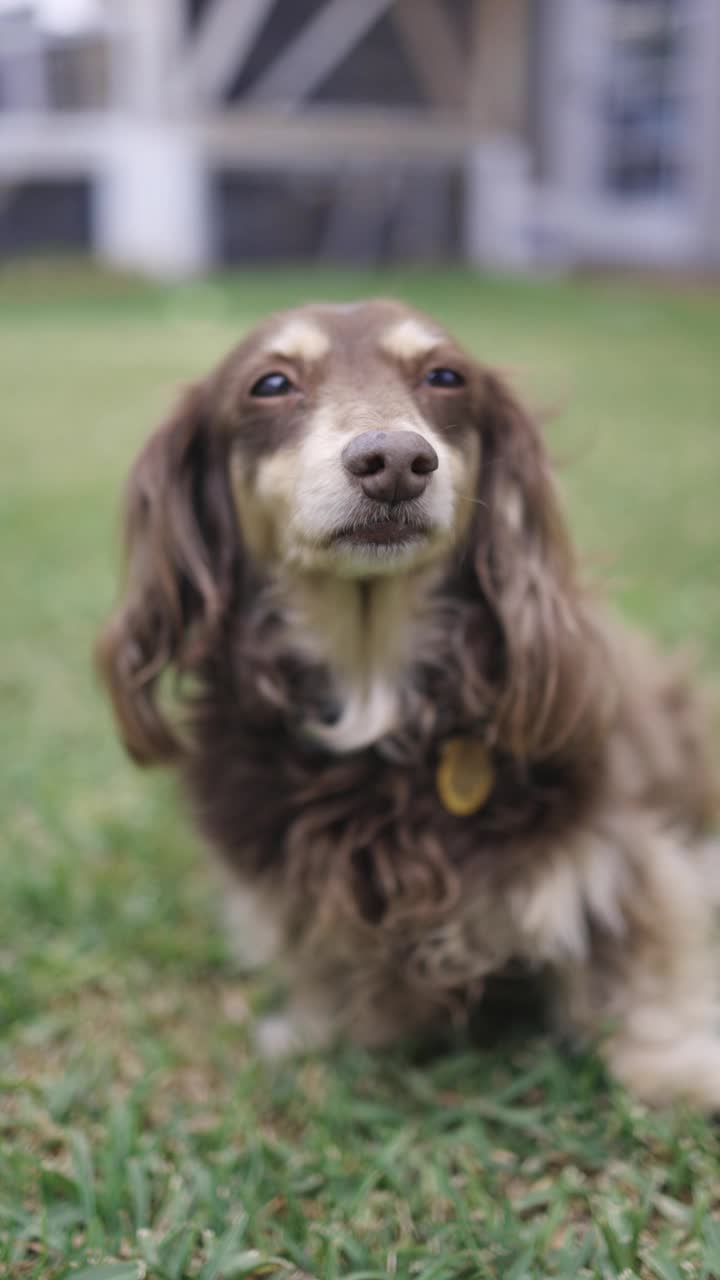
[
  {"x": 645, "y": 105},
  {"x": 45, "y": 216},
  {"x": 377, "y": 214}
]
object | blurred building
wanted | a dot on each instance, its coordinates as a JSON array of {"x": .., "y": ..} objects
[{"x": 174, "y": 135}]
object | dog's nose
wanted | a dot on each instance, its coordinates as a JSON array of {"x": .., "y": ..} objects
[{"x": 392, "y": 466}]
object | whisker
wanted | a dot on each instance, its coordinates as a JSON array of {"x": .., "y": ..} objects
[{"x": 478, "y": 502}]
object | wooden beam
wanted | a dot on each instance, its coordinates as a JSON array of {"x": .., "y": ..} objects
[
  {"x": 317, "y": 137},
  {"x": 220, "y": 49},
  {"x": 319, "y": 48},
  {"x": 144, "y": 52},
  {"x": 497, "y": 83},
  {"x": 77, "y": 142},
  {"x": 54, "y": 145},
  {"x": 429, "y": 39}
]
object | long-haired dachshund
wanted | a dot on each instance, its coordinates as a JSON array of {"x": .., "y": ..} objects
[{"x": 423, "y": 749}]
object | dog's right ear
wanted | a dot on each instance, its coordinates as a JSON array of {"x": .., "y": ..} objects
[{"x": 182, "y": 551}]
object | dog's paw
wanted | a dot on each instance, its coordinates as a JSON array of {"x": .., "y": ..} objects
[
  {"x": 687, "y": 1071},
  {"x": 277, "y": 1038},
  {"x": 296, "y": 1031}
]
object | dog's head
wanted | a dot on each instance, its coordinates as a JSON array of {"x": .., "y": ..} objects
[{"x": 353, "y": 441}]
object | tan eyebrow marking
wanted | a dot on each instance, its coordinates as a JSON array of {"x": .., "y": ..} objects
[
  {"x": 299, "y": 340},
  {"x": 409, "y": 339}
]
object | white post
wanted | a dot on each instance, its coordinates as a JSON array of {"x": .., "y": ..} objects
[
  {"x": 151, "y": 205},
  {"x": 498, "y": 187},
  {"x": 150, "y": 211},
  {"x": 704, "y": 37},
  {"x": 498, "y": 205}
]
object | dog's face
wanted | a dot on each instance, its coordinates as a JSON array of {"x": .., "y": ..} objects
[
  {"x": 352, "y": 450},
  {"x": 343, "y": 444}
]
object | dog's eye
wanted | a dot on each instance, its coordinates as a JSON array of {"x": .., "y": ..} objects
[
  {"x": 272, "y": 384},
  {"x": 446, "y": 379}
]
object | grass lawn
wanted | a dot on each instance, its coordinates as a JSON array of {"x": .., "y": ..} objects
[{"x": 138, "y": 1134}]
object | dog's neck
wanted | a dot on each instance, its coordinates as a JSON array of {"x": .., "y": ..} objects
[{"x": 365, "y": 631}]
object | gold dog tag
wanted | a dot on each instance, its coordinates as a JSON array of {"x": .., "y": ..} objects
[{"x": 464, "y": 776}]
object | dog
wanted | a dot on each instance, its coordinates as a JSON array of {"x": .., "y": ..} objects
[{"x": 423, "y": 747}]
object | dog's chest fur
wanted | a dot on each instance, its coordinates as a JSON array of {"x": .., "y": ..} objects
[{"x": 365, "y": 835}]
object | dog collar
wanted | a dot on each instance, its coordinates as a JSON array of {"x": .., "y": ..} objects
[{"x": 465, "y": 775}]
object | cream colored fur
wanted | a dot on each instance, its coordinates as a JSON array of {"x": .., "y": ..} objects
[
  {"x": 298, "y": 340},
  {"x": 365, "y": 632},
  {"x": 409, "y": 339}
]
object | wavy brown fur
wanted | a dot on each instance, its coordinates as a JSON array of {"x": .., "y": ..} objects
[{"x": 393, "y": 910}]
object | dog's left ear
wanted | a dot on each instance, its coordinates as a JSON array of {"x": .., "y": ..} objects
[
  {"x": 182, "y": 547},
  {"x": 525, "y": 566}
]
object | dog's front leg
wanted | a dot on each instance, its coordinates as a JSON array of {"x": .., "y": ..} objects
[
  {"x": 648, "y": 994},
  {"x": 371, "y": 1009},
  {"x": 305, "y": 1025}
]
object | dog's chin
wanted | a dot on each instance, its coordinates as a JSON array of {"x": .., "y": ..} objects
[
  {"x": 373, "y": 553},
  {"x": 373, "y": 550},
  {"x": 385, "y": 535}
]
